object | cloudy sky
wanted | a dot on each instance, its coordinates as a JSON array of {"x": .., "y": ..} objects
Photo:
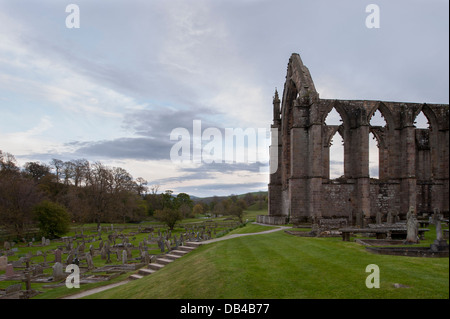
[{"x": 114, "y": 89}]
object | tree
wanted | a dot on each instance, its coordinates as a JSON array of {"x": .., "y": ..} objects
[
  {"x": 249, "y": 199},
  {"x": 141, "y": 186},
  {"x": 8, "y": 163},
  {"x": 169, "y": 216},
  {"x": 237, "y": 209},
  {"x": 167, "y": 199},
  {"x": 58, "y": 165},
  {"x": 18, "y": 195},
  {"x": 53, "y": 219},
  {"x": 36, "y": 170},
  {"x": 184, "y": 204},
  {"x": 198, "y": 209}
]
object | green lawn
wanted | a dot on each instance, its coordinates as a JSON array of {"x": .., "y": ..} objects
[{"x": 279, "y": 265}]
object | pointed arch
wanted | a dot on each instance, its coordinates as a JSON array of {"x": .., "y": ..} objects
[
  {"x": 335, "y": 107},
  {"x": 385, "y": 112},
  {"x": 428, "y": 112},
  {"x": 337, "y": 158},
  {"x": 380, "y": 120}
]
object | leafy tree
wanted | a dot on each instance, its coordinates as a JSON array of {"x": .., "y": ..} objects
[
  {"x": 169, "y": 216},
  {"x": 168, "y": 199},
  {"x": 36, "y": 170},
  {"x": 198, "y": 209},
  {"x": 237, "y": 209},
  {"x": 184, "y": 204},
  {"x": 53, "y": 219}
]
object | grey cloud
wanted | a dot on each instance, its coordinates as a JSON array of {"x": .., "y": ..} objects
[
  {"x": 137, "y": 148},
  {"x": 206, "y": 171}
]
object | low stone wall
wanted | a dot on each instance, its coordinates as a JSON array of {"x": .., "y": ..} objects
[{"x": 272, "y": 220}]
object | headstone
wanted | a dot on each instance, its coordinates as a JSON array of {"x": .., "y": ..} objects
[
  {"x": 19, "y": 262},
  {"x": 3, "y": 262},
  {"x": 167, "y": 242},
  {"x": 6, "y": 245},
  {"x": 436, "y": 219},
  {"x": 58, "y": 273},
  {"x": 43, "y": 241},
  {"x": 9, "y": 270},
  {"x": 440, "y": 244},
  {"x": 58, "y": 254},
  {"x": 37, "y": 270},
  {"x": 70, "y": 257},
  {"x": 81, "y": 248},
  {"x": 89, "y": 261},
  {"x": 13, "y": 289},
  {"x": 412, "y": 231},
  {"x": 103, "y": 253},
  {"x": 161, "y": 245},
  {"x": 124, "y": 257},
  {"x": 47, "y": 242}
]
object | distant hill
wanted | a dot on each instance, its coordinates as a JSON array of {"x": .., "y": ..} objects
[{"x": 208, "y": 200}]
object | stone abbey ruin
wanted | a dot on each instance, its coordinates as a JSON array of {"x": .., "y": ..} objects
[{"x": 413, "y": 163}]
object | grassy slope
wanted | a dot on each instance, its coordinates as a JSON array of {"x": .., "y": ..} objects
[{"x": 279, "y": 265}]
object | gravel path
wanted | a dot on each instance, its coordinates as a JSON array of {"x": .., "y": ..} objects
[
  {"x": 241, "y": 235},
  {"x": 95, "y": 290}
]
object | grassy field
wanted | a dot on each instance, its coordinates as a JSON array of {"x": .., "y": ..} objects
[{"x": 279, "y": 265}]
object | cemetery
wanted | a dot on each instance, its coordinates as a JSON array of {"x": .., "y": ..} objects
[{"x": 103, "y": 254}]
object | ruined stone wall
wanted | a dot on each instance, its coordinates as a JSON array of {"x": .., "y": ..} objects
[
  {"x": 384, "y": 197},
  {"x": 337, "y": 199},
  {"x": 413, "y": 163}
]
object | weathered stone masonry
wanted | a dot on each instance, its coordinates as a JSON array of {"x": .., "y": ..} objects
[{"x": 413, "y": 163}]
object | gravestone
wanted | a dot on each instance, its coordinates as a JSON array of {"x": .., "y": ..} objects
[
  {"x": 412, "y": 228},
  {"x": 167, "y": 242},
  {"x": 37, "y": 270},
  {"x": 70, "y": 257},
  {"x": 6, "y": 245},
  {"x": 103, "y": 253},
  {"x": 440, "y": 244},
  {"x": 3, "y": 262},
  {"x": 58, "y": 273},
  {"x": 81, "y": 248},
  {"x": 9, "y": 270},
  {"x": 58, "y": 254},
  {"x": 124, "y": 257},
  {"x": 89, "y": 261},
  {"x": 13, "y": 289}
]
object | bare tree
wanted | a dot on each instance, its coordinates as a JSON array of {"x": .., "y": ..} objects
[
  {"x": 141, "y": 186},
  {"x": 58, "y": 165}
]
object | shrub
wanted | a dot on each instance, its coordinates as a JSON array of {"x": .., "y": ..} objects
[{"x": 53, "y": 219}]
